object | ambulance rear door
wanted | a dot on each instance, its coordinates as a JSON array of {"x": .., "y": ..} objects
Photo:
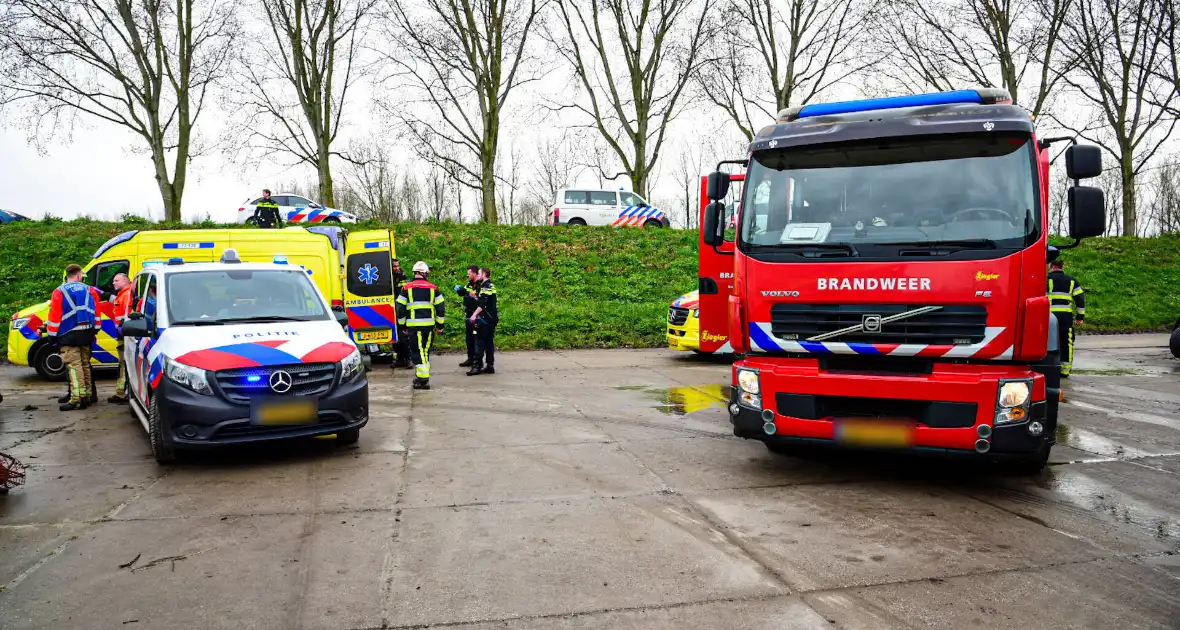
[{"x": 368, "y": 287}]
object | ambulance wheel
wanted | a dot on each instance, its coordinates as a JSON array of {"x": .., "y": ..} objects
[
  {"x": 576, "y": 222},
  {"x": 48, "y": 363},
  {"x": 652, "y": 223},
  {"x": 350, "y": 436},
  {"x": 164, "y": 454}
]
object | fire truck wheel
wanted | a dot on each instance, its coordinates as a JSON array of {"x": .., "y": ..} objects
[
  {"x": 1174, "y": 342},
  {"x": 782, "y": 448},
  {"x": 1033, "y": 464}
]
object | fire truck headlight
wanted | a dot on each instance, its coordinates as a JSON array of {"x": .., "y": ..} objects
[
  {"x": 748, "y": 381},
  {"x": 1013, "y": 394}
]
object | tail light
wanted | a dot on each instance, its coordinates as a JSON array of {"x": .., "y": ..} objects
[
  {"x": 241, "y": 209},
  {"x": 556, "y": 216}
]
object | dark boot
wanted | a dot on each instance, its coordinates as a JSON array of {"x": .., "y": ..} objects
[
  {"x": 72, "y": 406},
  {"x": 64, "y": 399},
  {"x": 417, "y": 383},
  {"x": 475, "y": 369},
  {"x": 491, "y": 369},
  {"x": 467, "y": 363},
  {"x": 117, "y": 400},
  {"x": 425, "y": 384},
  {"x": 93, "y": 395}
]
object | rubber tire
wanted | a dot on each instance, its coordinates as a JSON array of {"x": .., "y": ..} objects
[
  {"x": 331, "y": 220},
  {"x": 1174, "y": 343},
  {"x": 163, "y": 453},
  {"x": 39, "y": 362},
  {"x": 252, "y": 221},
  {"x": 652, "y": 223},
  {"x": 778, "y": 448},
  {"x": 348, "y": 436},
  {"x": 576, "y": 222},
  {"x": 1033, "y": 464}
]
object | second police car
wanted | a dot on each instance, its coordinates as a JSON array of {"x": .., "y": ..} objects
[{"x": 231, "y": 352}]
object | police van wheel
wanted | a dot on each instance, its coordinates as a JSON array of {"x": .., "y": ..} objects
[
  {"x": 48, "y": 363},
  {"x": 350, "y": 436},
  {"x": 332, "y": 220},
  {"x": 576, "y": 222},
  {"x": 252, "y": 221},
  {"x": 164, "y": 454},
  {"x": 652, "y": 223}
]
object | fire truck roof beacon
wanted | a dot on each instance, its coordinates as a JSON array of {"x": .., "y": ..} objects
[{"x": 981, "y": 96}]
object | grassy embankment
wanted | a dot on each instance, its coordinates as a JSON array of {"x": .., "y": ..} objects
[{"x": 600, "y": 287}]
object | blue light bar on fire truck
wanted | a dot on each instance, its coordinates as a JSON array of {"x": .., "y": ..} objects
[{"x": 981, "y": 96}]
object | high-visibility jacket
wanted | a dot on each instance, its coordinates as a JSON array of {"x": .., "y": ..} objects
[
  {"x": 73, "y": 307},
  {"x": 123, "y": 305},
  {"x": 1066, "y": 295},
  {"x": 421, "y": 305},
  {"x": 267, "y": 211}
]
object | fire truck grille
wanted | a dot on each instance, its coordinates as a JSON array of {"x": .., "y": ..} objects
[
  {"x": 949, "y": 325},
  {"x": 677, "y": 316}
]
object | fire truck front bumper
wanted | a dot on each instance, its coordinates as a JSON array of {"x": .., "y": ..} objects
[{"x": 954, "y": 409}]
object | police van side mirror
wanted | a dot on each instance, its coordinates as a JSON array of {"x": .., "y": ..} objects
[
  {"x": 136, "y": 326},
  {"x": 710, "y": 228},
  {"x": 1087, "y": 212},
  {"x": 341, "y": 318}
]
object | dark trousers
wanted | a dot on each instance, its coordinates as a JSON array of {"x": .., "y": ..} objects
[
  {"x": 401, "y": 347},
  {"x": 470, "y": 338},
  {"x": 485, "y": 344},
  {"x": 1065, "y": 341}
]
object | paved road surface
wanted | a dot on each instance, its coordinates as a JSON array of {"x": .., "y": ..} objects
[{"x": 593, "y": 489}]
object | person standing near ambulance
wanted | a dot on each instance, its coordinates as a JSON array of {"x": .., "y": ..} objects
[
  {"x": 123, "y": 296},
  {"x": 73, "y": 322},
  {"x": 485, "y": 318},
  {"x": 266, "y": 211},
  {"x": 422, "y": 311},
  {"x": 1067, "y": 302}
]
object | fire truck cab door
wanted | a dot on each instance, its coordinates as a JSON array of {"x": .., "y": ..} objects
[
  {"x": 715, "y": 282},
  {"x": 368, "y": 287}
]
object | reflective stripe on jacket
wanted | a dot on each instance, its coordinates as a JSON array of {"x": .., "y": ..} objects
[
  {"x": 72, "y": 307},
  {"x": 1066, "y": 294},
  {"x": 420, "y": 305}
]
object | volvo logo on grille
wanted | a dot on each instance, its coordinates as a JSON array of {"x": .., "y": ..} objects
[
  {"x": 280, "y": 382},
  {"x": 871, "y": 323}
]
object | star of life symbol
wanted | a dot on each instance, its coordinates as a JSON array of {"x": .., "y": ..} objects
[
  {"x": 773, "y": 144},
  {"x": 988, "y": 126},
  {"x": 368, "y": 274}
]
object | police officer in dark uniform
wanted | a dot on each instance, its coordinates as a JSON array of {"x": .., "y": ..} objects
[
  {"x": 485, "y": 318},
  {"x": 468, "y": 292},
  {"x": 1067, "y": 302},
  {"x": 266, "y": 212}
]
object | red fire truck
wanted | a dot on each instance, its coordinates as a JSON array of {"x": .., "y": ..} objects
[{"x": 888, "y": 277}]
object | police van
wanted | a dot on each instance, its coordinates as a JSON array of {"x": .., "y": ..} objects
[
  {"x": 232, "y": 352},
  {"x": 352, "y": 269},
  {"x": 616, "y": 208}
]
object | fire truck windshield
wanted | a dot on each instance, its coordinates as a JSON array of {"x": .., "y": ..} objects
[{"x": 977, "y": 191}]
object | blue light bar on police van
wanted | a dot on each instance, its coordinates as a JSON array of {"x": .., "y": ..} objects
[
  {"x": 280, "y": 260},
  {"x": 175, "y": 261},
  {"x": 982, "y": 96}
]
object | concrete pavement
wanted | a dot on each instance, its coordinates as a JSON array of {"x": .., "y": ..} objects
[{"x": 593, "y": 489}]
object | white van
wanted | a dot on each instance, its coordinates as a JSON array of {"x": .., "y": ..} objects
[{"x": 616, "y": 208}]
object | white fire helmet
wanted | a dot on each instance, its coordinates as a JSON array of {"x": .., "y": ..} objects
[{"x": 421, "y": 267}]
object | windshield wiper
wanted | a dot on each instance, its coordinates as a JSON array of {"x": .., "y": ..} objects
[
  {"x": 821, "y": 249},
  {"x": 237, "y": 320},
  {"x": 975, "y": 243}
]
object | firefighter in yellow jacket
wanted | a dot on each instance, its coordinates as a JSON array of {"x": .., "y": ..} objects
[
  {"x": 1067, "y": 302},
  {"x": 421, "y": 312}
]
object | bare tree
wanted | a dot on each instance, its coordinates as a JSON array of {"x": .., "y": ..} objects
[
  {"x": 953, "y": 44},
  {"x": 411, "y": 197},
  {"x": 438, "y": 185},
  {"x": 1113, "y": 54},
  {"x": 633, "y": 61},
  {"x": 1170, "y": 69},
  {"x": 374, "y": 183},
  {"x": 295, "y": 82},
  {"x": 509, "y": 177},
  {"x": 457, "y": 64},
  {"x": 557, "y": 165},
  {"x": 1163, "y": 201},
  {"x": 774, "y": 54},
  {"x": 1058, "y": 200},
  {"x": 145, "y": 65}
]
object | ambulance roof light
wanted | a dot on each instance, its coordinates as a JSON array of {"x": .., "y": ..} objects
[
  {"x": 175, "y": 261},
  {"x": 980, "y": 96},
  {"x": 230, "y": 256},
  {"x": 280, "y": 260}
]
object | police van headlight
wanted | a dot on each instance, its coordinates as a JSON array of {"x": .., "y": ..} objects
[
  {"x": 351, "y": 368},
  {"x": 187, "y": 376},
  {"x": 19, "y": 323},
  {"x": 1012, "y": 401},
  {"x": 749, "y": 388}
]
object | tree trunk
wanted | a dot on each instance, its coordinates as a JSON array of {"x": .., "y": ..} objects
[
  {"x": 327, "y": 196},
  {"x": 487, "y": 190},
  {"x": 168, "y": 193},
  {"x": 1130, "y": 227}
]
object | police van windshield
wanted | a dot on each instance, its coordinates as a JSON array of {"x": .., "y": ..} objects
[
  {"x": 875, "y": 198},
  {"x": 227, "y": 296}
]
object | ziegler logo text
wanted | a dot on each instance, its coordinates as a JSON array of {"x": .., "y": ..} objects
[{"x": 979, "y": 275}]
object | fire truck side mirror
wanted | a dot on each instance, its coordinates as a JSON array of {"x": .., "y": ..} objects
[
  {"x": 1087, "y": 212},
  {"x": 710, "y": 228},
  {"x": 1083, "y": 161},
  {"x": 717, "y": 186}
]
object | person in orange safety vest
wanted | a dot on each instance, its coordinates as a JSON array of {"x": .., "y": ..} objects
[{"x": 123, "y": 297}]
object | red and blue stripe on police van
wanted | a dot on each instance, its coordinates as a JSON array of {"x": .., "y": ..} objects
[
  {"x": 633, "y": 216},
  {"x": 317, "y": 215}
]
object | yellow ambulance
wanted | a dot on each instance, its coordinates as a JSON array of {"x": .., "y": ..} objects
[{"x": 352, "y": 270}]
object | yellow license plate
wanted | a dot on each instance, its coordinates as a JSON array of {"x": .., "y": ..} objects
[
  {"x": 372, "y": 335},
  {"x": 875, "y": 433},
  {"x": 287, "y": 412}
]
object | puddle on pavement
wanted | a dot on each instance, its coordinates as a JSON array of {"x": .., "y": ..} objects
[
  {"x": 1095, "y": 495},
  {"x": 1091, "y": 442},
  {"x": 681, "y": 401}
]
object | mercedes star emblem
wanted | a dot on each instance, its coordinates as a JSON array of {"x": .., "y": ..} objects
[{"x": 280, "y": 382}]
